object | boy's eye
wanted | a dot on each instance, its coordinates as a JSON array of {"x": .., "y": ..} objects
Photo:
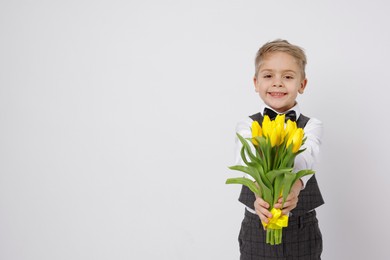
[
  {"x": 267, "y": 76},
  {"x": 289, "y": 77}
]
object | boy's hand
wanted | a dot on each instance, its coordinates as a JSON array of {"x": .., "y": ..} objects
[
  {"x": 292, "y": 198},
  {"x": 262, "y": 207}
]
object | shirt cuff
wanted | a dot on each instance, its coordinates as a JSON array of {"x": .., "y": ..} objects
[{"x": 305, "y": 179}]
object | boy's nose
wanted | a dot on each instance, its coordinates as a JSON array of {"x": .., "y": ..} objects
[{"x": 277, "y": 83}]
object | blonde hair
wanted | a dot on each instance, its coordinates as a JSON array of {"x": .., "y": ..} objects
[{"x": 283, "y": 46}]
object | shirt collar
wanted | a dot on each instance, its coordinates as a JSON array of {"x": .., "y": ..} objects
[{"x": 295, "y": 108}]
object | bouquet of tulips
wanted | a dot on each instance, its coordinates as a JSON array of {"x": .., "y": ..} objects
[{"x": 269, "y": 157}]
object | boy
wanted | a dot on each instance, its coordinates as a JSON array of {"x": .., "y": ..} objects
[{"x": 279, "y": 77}]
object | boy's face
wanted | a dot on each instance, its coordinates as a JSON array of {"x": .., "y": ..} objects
[{"x": 279, "y": 80}]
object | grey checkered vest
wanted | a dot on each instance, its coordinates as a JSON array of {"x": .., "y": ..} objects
[{"x": 309, "y": 198}]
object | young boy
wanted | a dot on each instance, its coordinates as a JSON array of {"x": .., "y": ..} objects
[{"x": 279, "y": 77}]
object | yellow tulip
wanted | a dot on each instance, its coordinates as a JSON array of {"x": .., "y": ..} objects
[
  {"x": 296, "y": 140},
  {"x": 290, "y": 137},
  {"x": 274, "y": 138},
  {"x": 281, "y": 133},
  {"x": 256, "y": 131},
  {"x": 290, "y": 128},
  {"x": 279, "y": 126},
  {"x": 277, "y": 135},
  {"x": 267, "y": 126},
  {"x": 279, "y": 120}
]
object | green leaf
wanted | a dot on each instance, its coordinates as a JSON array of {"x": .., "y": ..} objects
[
  {"x": 264, "y": 178},
  {"x": 278, "y": 185},
  {"x": 255, "y": 174},
  {"x": 288, "y": 160},
  {"x": 243, "y": 156},
  {"x": 266, "y": 150},
  {"x": 260, "y": 157},
  {"x": 300, "y": 151},
  {"x": 244, "y": 159},
  {"x": 279, "y": 155},
  {"x": 244, "y": 181},
  {"x": 271, "y": 175},
  {"x": 249, "y": 170},
  {"x": 259, "y": 152},
  {"x": 288, "y": 180},
  {"x": 302, "y": 173},
  {"x": 266, "y": 193},
  {"x": 240, "y": 168},
  {"x": 247, "y": 148}
]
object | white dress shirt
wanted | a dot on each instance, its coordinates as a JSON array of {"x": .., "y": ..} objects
[{"x": 305, "y": 160}]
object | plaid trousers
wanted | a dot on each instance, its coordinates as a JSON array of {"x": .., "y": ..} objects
[{"x": 302, "y": 239}]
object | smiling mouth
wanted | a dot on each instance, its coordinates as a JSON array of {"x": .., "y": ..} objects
[{"x": 276, "y": 94}]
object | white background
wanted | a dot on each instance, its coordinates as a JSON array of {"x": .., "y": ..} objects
[{"x": 117, "y": 124}]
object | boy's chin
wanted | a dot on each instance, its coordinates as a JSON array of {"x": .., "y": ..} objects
[{"x": 281, "y": 108}]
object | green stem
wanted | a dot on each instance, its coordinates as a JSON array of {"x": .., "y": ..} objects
[{"x": 273, "y": 236}]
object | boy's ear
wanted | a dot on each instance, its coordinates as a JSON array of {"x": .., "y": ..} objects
[
  {"x": 303, "y": 86},
  {"x": 255, "y": 83}
]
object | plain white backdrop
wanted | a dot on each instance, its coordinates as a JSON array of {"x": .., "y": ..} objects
[{"x": 117, "y": 124}]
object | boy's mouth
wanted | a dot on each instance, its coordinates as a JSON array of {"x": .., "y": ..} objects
[{"x": 276, "y": 94}]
